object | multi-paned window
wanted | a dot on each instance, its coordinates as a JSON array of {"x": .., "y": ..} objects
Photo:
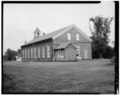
[
  {"x": 48, "y": 51},
  {"x": 69, "y": 36},
  {"x": 43, "y": 52},
  {"x": 38, "y": 52},
  {"x": 77, "y": 37},
  {"x": 34, "y": 52}
]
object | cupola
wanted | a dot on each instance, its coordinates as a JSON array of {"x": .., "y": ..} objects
[{"x": 37, "y": 33}]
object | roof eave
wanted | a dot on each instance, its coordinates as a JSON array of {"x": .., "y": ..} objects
[{"x": 35, "y": 42}]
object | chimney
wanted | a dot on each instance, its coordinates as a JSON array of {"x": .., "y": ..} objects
[
  {"x": 25, "y": 42},
  {"x": 37, "y": 33},
  {"x": 43, "y": 34}
]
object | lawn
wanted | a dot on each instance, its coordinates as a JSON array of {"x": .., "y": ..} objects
[{"x": 95, "y": 76}]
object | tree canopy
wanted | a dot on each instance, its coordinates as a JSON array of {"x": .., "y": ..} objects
[
  {"x": 100, "y": 34},
  {"x": 10, "y": 55}
]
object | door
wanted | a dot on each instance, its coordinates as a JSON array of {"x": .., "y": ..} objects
[
  {"x": 78, "y": 52},
  {"x": 85, "y": 54}
]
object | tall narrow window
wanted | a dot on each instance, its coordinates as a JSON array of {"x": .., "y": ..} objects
[
  {"x": 68, "y": 36},
  {"x": 23, "y": 54},
  {"x": 34, "y": 52},
  {"x": 48, "y": 51},
  {"x": 58, "y": 53},
  {"x": 38, "y": 52},
  {"x": 43, "y": 52},
  {"x": 77, "y": 37},
  {"x": 28, "y": 53},
  {"x": 31, "y": 53}
]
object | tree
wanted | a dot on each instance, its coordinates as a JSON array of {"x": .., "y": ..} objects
[
  {"x": 108, "y": 52},
  {"x": 19, "y": 52},
  {"x": 10, "y": 54},
  {"x": 100, "y": 34}
]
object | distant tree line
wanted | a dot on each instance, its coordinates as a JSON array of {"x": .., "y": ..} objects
[{"x": 11, "y": 54}]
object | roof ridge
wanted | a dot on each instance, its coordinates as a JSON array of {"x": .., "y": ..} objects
[
  {"x": 59, "y": 29},
  {"x": 48, "y": 35}
]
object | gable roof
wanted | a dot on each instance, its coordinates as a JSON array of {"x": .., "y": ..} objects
[
  {"x": 55, "y": 34},
  {"x": 75, "y": 27},
  {"x": 63, "y": 45}
]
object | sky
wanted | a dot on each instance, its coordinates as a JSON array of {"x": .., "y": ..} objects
[{"x": 21, "y": 20}]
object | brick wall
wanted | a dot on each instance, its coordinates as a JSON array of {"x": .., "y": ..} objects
[{"x": 40, "y": 45}]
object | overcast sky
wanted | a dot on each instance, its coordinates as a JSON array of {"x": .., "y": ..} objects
[{"x": 20, "y": 20}]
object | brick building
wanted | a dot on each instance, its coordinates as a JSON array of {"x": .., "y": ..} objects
[{"x": 66, "y": 44}]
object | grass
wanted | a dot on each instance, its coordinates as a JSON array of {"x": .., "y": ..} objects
[{"x": 58, "y": 77}]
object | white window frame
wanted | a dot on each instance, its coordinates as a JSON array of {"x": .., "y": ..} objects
[
  {"x": 69, "y": 36},
  {"x": 38, "y": 52},
  {"x": 48, "y": 51},
  {"x": 43, "y": 52},
  {"x": 77, "y": 37},
  {"x": 35, "y": 53}
]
